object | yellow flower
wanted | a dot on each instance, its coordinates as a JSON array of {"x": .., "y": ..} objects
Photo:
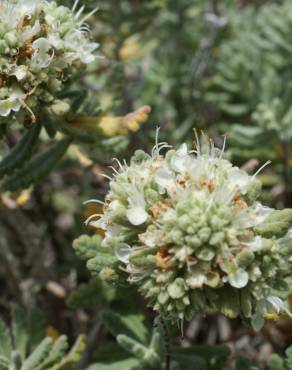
[{"x": 110, "y": 126}]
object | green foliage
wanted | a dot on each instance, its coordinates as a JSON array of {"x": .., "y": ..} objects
[
  {"x": 100, "y": 260},
  {"x": 38, "y": 167},
  {"x": 250, "y": 83},
  {"x": 21, "y": 152},
  {"x": 25, "y": 348},
  {"x": 85, "y": 294},
  {"x": 148, "y": 350}
]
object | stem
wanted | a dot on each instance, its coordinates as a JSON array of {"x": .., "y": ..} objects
[
  {"x": 286, "y": 173},
  {"x": 166, "y": 343}
]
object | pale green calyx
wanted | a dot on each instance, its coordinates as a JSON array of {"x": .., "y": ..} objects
[
  {"x": 41, "y": 46},
  {"x": 186, "y": 228}
]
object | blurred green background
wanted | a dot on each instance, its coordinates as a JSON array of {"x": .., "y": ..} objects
[{"x": 224, "y": 67}]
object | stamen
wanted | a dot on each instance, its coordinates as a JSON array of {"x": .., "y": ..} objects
[
  {"x": 212, "y": 148},
  {"x": 33, "y": 117},
  {"x": 75, "y": 5},
  {"x": 198, "y": 147},
  {"x": 92, "y": 217},
  {"x": 106, "y": 176},
  {"x": 89, "y": 15},
  {"x": 260, "y": 169},
  {"x": 119, "y": 163},
  {"x": 94, "y": 201},
  {"x": 80, "y": 11},
  {"x": 114, "y": 170},
  {"x": 223, "y": 147}
]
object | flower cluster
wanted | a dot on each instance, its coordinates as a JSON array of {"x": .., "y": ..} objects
[
  {"x": 41, "y": 46},
  {"x": 187, "y": 229}
]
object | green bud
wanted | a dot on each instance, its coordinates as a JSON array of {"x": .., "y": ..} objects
[
  {"x": 177, "y": 288},
  {"x": 245, "y": 258}
]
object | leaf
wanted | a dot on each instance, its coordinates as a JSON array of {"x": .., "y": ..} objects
[
  {"x": 21, "y": 152},
  {"x": 36, "y": 328},
  {"x": 57, "y": 352},
  {"x": 5, "y": 343},
  {"x": 100, "y": 262},
  {"x": 73, "y": 357},
  {"x": 243, "y": 364},
  {"x": 38, "y": 355},
  {"x": 91, "y": 294},
  {"x": 4, "y": 363},
  {"x": 131, "y": 325},
  {"x": 119, "y": 365},
  {"x": 187, "y": 361},
  {"x": 110, "y": 352},
  {"x": 132, "y": 346},
  {"x": 215, "y": 356},
  {"x": 86, "y": 247},
  {"x": 288, "y": 361},
  {"x": 276, "y": 224},
  {"x": 276, "y": 363},
  {"x": 38, "y": 167},
  {"x": 19, "y": 332}
]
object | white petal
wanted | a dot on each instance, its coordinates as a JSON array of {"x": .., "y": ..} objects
[
  {"x": 239, "y": 279},
  {"x": 15, "y": 105},
  {"x": 5, "y": 107},
  {"x": 164, "y": 177},
  {"x": 183, "y": 149},
  {"x": 256, "y": 245},
  {"x": 42, "y": 44},
  {"x": 137, "y": 215},
  {"x": 179, "y": 161},
  {"x": 196, "y": 280},
  {"x": 276, "y": 302},
  {"x": 239, "y": 178},
  {"x": 87, "y": 58},
  {"x": 257, "y": 321},
  {"x": 252, "y": 216},
  {"x": 123, "y": 252}
]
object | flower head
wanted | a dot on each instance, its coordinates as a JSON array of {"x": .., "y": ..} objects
[
  {"x": 192, "y": 236},
  {"x": 42, "y": 45}
]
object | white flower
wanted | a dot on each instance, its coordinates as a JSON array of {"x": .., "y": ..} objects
[
  {"x": 79, "y": 48},
  {"x": 41, "y": 57},
  {"x": 236, "y": 276},
  {"x": 136, "y": 212},
  {"x": 196, "y": 280},
  {"x": 239, "y": 178},
  {"x": 13, "y": 103},
  {"x": 256, "y": 244},
  {"x": 19, "y": 71},
  {"x": 11, "y": 11},
  {"x": 267, "y": 305},
  {"x": 29, "y": 32},
  {"x": 123, "y": 252},
  {"x": 164, "y": 178},
  {"x": 252, "y": 216},
  {"x": 179, "y": 161}
]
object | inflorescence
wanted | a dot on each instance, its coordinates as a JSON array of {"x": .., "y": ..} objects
[
  {"x": 41, "y": 46},
  {"x": 187, "y": 229}
]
